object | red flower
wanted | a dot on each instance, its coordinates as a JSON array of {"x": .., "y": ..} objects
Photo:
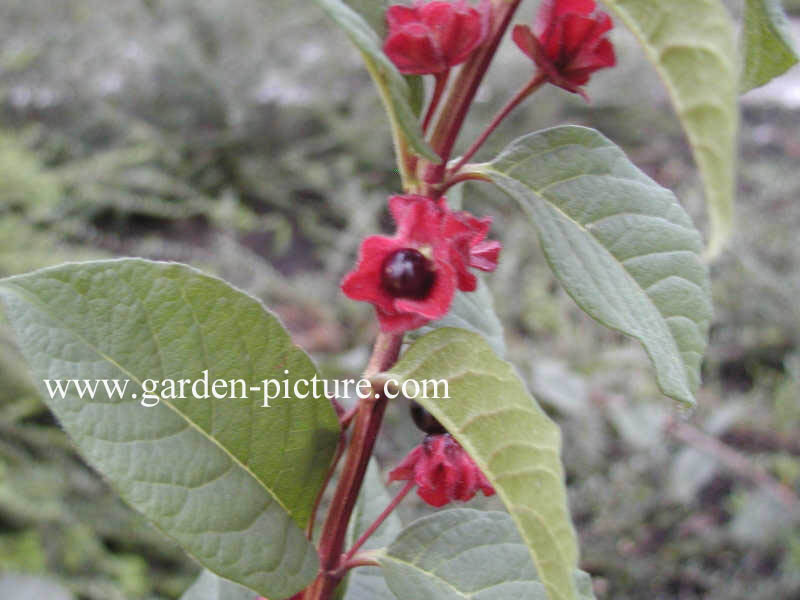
[
  {"x": 467, "y": 235},
  {"x": 443, "y": 471},
  {"x": 568, "y": 42},
  {"x": 430, "y": 38},
  {"x": 411, "y": 278}
]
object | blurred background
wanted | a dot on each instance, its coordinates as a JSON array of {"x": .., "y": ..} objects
[{"x": 243, "y": 137}]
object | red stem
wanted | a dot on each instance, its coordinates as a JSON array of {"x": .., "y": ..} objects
[
  {"x": 336, "y": 458},
  {"x": 365, "y": 431},
  {"x": 438, "y": 91},
  {"x": 347, "y": 417},
  {"x": 463, "y": 92},
  {"x": 387, "y": 346},
  {"x": 526, "y": 91},
  {"x": 360, "y": 561},
  {"x": 381, "y": 518},
  {"x": 454, "y": 178}
]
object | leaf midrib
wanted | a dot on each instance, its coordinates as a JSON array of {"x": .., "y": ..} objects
[
  {"x": 461, "y": 593},
  {"x": 616, "y": 261},
  {"x": 472, "y": 451},
  {"x": 44, "y": 309}
]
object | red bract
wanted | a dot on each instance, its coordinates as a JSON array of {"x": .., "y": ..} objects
[
  {"x": 430, "y": 38},
  {"x": 411, "y": 278},
  {"x": 443, "y": 471},
  {"x": 568, "y": 42},
  {"x": 467, "y": 235}
]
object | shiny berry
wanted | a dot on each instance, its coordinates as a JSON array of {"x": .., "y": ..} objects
[
  {"x": 407, "y": 273},
  {"x": 425, "y": 421}
]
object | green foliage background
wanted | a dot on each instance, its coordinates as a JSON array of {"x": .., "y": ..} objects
[{"x": 243, "y": 137}]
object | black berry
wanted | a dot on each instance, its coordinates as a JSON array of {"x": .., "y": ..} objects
[
  {"x": 407, "y": 273},
  {"x": 425, "y": 420}
]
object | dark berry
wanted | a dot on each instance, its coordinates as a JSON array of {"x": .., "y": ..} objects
[
  {"x": 407, "y": 273},
  {"x": 425, "y": 420}
]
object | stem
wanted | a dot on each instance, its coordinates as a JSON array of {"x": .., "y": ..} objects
[
  {"x": 336, "y": 458},
  {"x": 526, "y": 91},
  {"x": 461, "y": 176},
  {"x": 379, "y": 521},
  {"x": 348, "y": 417},
  {"x": 384, "y": 353},
  {"x": 438, "y": 91},
  {"x": 365, "y": 431},
  {"x": 463, "y": 92},
  {"x": 360, "y": 560}
]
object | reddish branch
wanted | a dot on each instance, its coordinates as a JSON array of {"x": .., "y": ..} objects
[
  {"x": 367, "y": 420},
  {"x": 462, "y": 93},
  {"x": 378, "y": 522},
  {"x": 533, "y": 85},
  {"x": 365, "y": 431}
]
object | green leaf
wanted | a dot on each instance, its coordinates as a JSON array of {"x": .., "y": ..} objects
[
  {"x": 621, "y": 245},
  {"x": 509, "y": 436},
  {"x": 373, "y": 12},
  {"x": 768, "y": 49},
  {"x": 692, "y": 45},
  {"x": 395, "y": 92},
  {"x": 210, "y": 587},
  {"x": 230, "y": 481},
  {"x": 473, "y": 311},
  {"x": 416, "y": 98},
  {"x": 367, "y": 583},
  {"x": 466, "y": 554}
]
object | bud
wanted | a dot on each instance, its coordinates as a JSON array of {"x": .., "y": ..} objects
[{"x": 430, "y": 38}]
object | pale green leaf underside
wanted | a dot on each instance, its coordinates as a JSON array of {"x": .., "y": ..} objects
[
  {"x": 466, "y": 554},
  {"x": 512, "y": 440},
  {"x": 372, "y": 11},
  {"x": 416, "y": 93},
  {"x": 692, "y": 44},
  {"x": 394, "y": 88},
  {"x": 768, "y": 49},
  {"x": 231, "y": 481},
  {"x": 473, "y": 311},
  {"x": 367, "y": 583},
  {"x": 621, "y": 245},
  {"x": 210, "y": 587}
]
